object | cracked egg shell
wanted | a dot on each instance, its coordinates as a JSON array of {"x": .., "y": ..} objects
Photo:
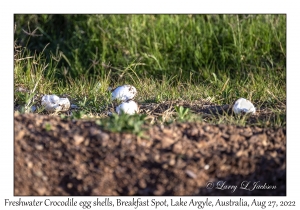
[
  {"x": 124, "y": 93},
  {"x": 129, "y": 107},
  {"x": 243, "y": 106},
  {"x": 53, "y": 103}
]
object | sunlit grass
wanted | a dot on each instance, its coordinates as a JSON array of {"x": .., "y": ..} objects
[{"x": 166, "y": 57}]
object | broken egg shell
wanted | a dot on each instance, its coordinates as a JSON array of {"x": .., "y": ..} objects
[
  {"x": 243, "y": 105},
  {"x": 124, "y": 93},
  {"x": 52, "y": 103},
  {"x": 129, "y": 107},
  {"x": 54, "y": 99}
]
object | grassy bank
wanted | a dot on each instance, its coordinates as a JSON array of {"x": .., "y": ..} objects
[{"x": 166, "y": 57}]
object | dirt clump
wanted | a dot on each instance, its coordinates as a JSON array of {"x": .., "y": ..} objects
[{"x": 53, "y": 156}]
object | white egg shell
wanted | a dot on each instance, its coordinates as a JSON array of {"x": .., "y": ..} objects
[
  {"x": 124, "y": 93},
  {"x": 243, "y": 106},
  {"x": 64, "y": 104},
  {"x": 54, "y": 99},
  {"x": 129, "y": 107},
  {"x": 53, "y": 103}
]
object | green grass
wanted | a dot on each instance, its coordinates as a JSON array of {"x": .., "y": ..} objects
[
  {"x": 124, "y": 123},
  {"x": 166, "y": 57}
]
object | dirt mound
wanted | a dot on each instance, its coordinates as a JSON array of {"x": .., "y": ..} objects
[{"x": 63, "y": 157}]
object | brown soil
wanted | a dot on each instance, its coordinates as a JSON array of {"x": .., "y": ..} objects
[{"x": 63, "y": 157}]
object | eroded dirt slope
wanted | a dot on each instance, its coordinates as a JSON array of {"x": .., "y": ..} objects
[{"x": 60, "y": 157}]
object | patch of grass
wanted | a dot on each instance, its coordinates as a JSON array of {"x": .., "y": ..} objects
[
  {"x": 193, "y": 46},
  {"x": 219, "y": 58},
  {"x": 124, "y": 123},
  {"x": 182, "y": 113},
  {"x": 48, "y": 127}
]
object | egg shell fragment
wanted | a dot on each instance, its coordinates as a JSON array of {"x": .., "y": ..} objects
[
  {"x": 124, "y": 93},
  {"x": 129, "y": 107},
  {"x": 53, "y": 103},
  {"x": 243, "y": 105}
]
